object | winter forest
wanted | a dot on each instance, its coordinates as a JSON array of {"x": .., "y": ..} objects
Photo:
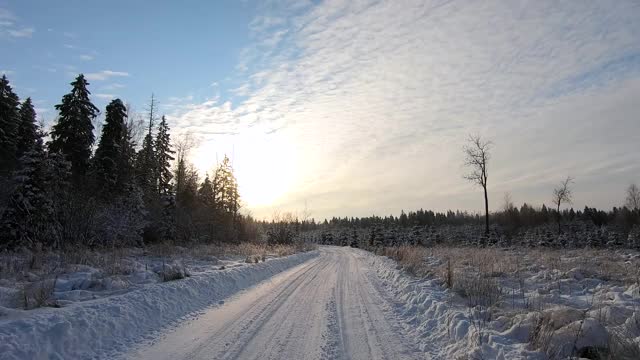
[{"x": 72, "y": 187}]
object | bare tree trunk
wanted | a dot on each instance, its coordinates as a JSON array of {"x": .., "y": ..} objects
[
  {"x": 559, "y": 218},
  {"x": 486, "y": 210}
]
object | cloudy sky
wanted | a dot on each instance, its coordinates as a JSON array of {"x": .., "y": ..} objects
[{"x": 360, "y": 107}]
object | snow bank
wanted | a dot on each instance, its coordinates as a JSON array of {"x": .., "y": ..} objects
[
  {"x": 105, "y": 327},
  {"x": 585, "y": 314},
  {"x": 443, "y": 327}
]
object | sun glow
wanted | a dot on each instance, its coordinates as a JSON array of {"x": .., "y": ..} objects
[{"x": 264, "y": 165}]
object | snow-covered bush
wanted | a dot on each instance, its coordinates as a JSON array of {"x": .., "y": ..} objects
[
  {"x": 121, "y": 222},
  {"x": 38, "y": 294},
  {"x": 173, "y": 271}
]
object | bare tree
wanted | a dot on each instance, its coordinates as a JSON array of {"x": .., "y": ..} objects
[
  {"x": 184, "y": 143},
  {"x": 152, "y": 113},
  {"x": 135, "y": 126},
  {"x": 633, "y": 197},
  {"x": 507, "y": 205},
  {"x": 562, "y": 195},
  {"x": 476, "y": 159}
]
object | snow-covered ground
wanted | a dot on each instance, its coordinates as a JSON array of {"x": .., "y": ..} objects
[
  {"x": 351, "y": 304},
  {"x": 99, "y": 314},
  {"x": 332, "y": 307},
  {"x": 345, "y": 303},
  {"x": 518, "y": 303}
]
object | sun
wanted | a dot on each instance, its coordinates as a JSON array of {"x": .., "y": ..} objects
[{"x": 264, "y": 165}]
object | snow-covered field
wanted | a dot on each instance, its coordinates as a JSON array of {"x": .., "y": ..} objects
[
  {"x": 518, "y": 303},
  {"x": 95, "y": 313}
]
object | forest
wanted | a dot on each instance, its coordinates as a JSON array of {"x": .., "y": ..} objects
[{"x": 69, "y": 186}]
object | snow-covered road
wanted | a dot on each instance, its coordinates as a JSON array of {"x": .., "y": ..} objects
[{"x": 330, "y": 307}]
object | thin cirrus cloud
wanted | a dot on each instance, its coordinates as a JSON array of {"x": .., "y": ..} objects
[
  {"x": 105, "y": 96},
  {"x": 9, "y": 27},
  {"x": 113, "y": 86},
  {"x": 378, "y": 97},
  {"x": 21, "y": 33},
  {"x": 105, "y": 75}
]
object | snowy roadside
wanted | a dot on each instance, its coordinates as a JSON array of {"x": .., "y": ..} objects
[
  {"x": 586, "y": 316},
  {"x": 104, "y": 327}
]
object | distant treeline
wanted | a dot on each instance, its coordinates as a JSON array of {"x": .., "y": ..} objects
[
  {"x": 511, "y": 219},
  {"x": 527, "y": 226}
]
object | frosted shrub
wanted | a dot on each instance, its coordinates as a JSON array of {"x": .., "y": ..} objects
[
  {"x": 120, "y": 224},
  {"x": 477, "y": 290},
  {"x": 38, "y": 294}
]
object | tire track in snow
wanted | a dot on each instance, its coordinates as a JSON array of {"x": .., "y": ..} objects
[
  {"x": 333, "y": 347},
  {"x": 328, "y": 308}
]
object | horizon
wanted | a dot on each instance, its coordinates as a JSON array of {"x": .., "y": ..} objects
[{"x": 343, "y": 110}]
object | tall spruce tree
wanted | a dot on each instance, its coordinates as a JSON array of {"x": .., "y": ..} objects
[
  {"x": 226, "y": 194},
  {"x": 205, "y": 193},
  {"x": 109, "y": 153},
  {"x": 126, "y": 167},
  {"x": 9, "y": 121},
  {"x": 145, "y": 159},
  {"x": 72, "y": 135},
  {"x": 29, "y": 217},
  {"x": 27, "y": 129},
  {"x": 163, "y": 152}
]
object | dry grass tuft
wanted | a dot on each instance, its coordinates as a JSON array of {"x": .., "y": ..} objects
[
  {"x": 541, "y": 335},
  {"x": 39, "y": 294}
]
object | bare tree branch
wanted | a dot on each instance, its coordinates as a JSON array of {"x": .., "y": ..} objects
[
  {"x": 633, "y": 197},
  {"x": 562, "y": 195},
  {"x": 476, "y": 159}
]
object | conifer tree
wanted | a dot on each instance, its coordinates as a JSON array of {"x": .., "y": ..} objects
[
  {"x": 29, "y": 217},
  {"x": 9, "y": 120},
  {"x": 181, "y": 176},
  {"x": 72, "y": 135},
  {"x": 205, "y": 193},
  {"x": 163, "y": 157},
  {"x": 145, "y": 161},
  {"x": 186, "y": 183},
  {"x": 109, "y": 153},
  {"x": 126, "y": 167},
  {"x": 27, "y": 129},
  {"x": 226, "y": 194}
]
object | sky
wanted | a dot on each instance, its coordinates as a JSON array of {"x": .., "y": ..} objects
[{"x": 360, "y": 107}]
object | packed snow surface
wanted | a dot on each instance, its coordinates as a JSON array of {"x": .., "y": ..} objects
[{"x": 331, "y": 307}]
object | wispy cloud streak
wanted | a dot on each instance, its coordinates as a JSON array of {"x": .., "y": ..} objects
[{"x": 381, "y": 94}]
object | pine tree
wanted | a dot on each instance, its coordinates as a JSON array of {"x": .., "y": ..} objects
[
  {"x": 227, "y": 197},
  {"x": 181, "y": 177},
  {"x": 145, "y": 159},
  {"x": 126, "y": 167},
  {"x": 9, "y": 121},
  {"x": 109, "y": 153},
  {"x": 163, "y": 157},
  {"x": 29, "y": 217},
  {"x": 205, "y": 193},
  {"x": 27, "y": 129},
  {"x": 73, "y": 134},
  {"x": 186, "y": 184}
]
